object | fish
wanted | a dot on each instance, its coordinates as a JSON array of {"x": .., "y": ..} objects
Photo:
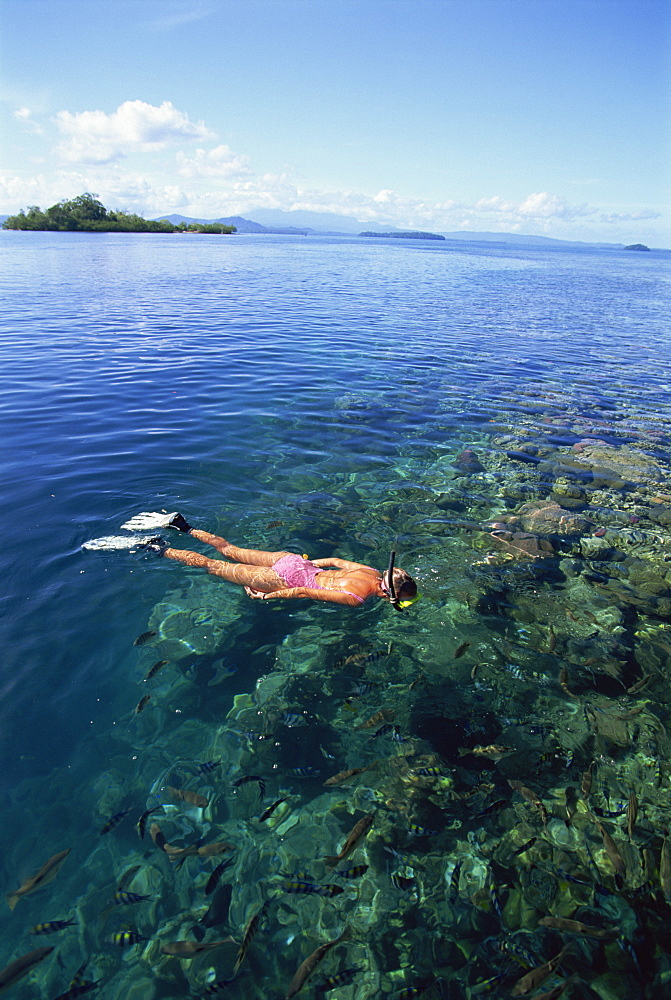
[
  {"x": 127, "y": 938},
  {"x": 384, "y": 715},
  {"x": 189, "y": 949},
  {"x": 524, "y": 847},
  {"x": 20, "y": 967},
  {"x": 144, "y": 638},
  {"x": 50, "y": 926},
  {"x": 217, "y": 986},
  {"x": 291, "y": 720},
  {"x": 158, "y": 837},
  {"x": 310, "y": 888},
  {"x": 153, "y": 670},
  {"x": 46, "y": 873},
  {"x": 586, "y": 781},
  {"x": 307, "y": 967},
  {"x": 114, "y": 821},
  {"x": 142, "y": 703},
  {"x": 251, "y": 777},
  {"x": 577, "y": 927},
  {"x": 121, "y": 897},
  {"x": 362, "y": 657},
  {"x": 665, "y": 870},
  {"x": 563, "y": 683},
  {"x": 455, "y": 878},
  {"x": 570, "y": 803},
  {"x": 530, "y": 796},
  {"x": 534, "y": 977},
  {"x": 142, "y": 822},
  {"x": 554, "y": 992},
  {"x": 191, "y": 798},
  {"x": 388, "y": 730},
  {"x": 207, "y": 766},
  {"x": 354, "y": 837},
  {"x": 178, "y": 854},
  {"x": 267, "y": 813},
  {"x": 342, "y": 776},
  {"x": 400, "y": 881},
  {"x": 127, "y": 878},
  {"x": 249, "y": 935},
  {"x": 493, "y": 752},
  {"x": 340, "y": 979},
  {"x": 213, "y": 880},
  {"x": 421, "y": 831},
  {"x": 614, "y": 855},
  {"x": 632, "y": 813},
  {"x": 306, "y": 772},
  {"x": 429, "y": 772},
  {"x": 274, "y": 524},
  {"x": 460, "y": 650},
  {"x": 354, "y": 871}
]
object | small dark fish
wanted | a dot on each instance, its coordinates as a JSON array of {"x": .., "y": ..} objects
[
  {"x": 354, "y": 871},
  {"x": 142, "y": 822},
  {"x": 127, "y": 878},
  {"x": 274, "y": 524},
  {"x": 586, "y": 781},
  {"x": 144, "y": 638},
  {"x": 306, "y": 772},
  {"x": 213, "y": 880},
  {"x": 530, "y": 796},
  {"x": 429, "y": 772},
  {"x": 571, "y": 803},
  {"x": 267, "y": 813},
  {"x": 460, "y": 650},
  {"x": 142, "y": 703},
  {"x": 384, "y": 715},
  {"x": 207, "y": 766},
  {"x": 340, "y": 979},
  {"x": 310, "y": 888},
  {"x": 155, "y": 669},
  {"x": 389, "y": 730},
  {"x": 535, "y": 977},
  {"x": 217, "y": 987},
  {"x": 410, "y": 992},
  {"x": 291, "y": 720},
  {"x": 158, "y": 837},
  {"x": 114, "y": 821},
  {"x": 455, "y": 877},
  {"x": 492, "y": 808},
  {"x": 127, "y": 938},
  {"x": 400, "y": 881},
  {"x": 632, "y": 813},
  {"x": 50, "y": 926},
  {"x": 20, "y": 967},
  {"x": 525, "y": 847},
  {"x": 421, "y": 831},
  {"x": 251, "y": 777},
  {"x": 121, "y": 896},
  {"x": 249, "y": 935}
]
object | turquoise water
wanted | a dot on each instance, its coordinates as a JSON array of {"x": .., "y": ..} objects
[{"x": 335, "y": 396}]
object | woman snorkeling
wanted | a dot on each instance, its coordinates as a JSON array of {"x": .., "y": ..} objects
[{"x": 267, "y": 575}]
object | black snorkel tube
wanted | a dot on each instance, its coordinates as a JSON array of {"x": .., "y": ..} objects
[{"x": 393, "y": 599}]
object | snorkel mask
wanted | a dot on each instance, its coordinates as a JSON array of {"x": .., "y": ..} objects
[{"x": 388, "y": 585}]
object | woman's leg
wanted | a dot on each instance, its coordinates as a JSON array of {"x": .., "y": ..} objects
[
  {"x": 258, "y": 577},
  {"x": 252, "y": 557}
]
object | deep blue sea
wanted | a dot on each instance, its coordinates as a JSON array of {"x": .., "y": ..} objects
[{"x": 499, "y": 415}]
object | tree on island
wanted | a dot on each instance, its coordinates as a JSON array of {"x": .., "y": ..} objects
[{"x": 88, "y": 215}]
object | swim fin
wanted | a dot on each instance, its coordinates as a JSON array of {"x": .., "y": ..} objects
[
  {"x": 109, "y": 543},
  {"x": 149, "y": 520}
]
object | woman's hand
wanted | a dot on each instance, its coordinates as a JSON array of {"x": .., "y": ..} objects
[{"x": 259, "y": 595}]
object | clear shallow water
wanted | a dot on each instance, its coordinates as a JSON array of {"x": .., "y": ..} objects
[{"x": 329, "y": 385}]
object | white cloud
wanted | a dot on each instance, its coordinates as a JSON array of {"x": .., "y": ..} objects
[
  {"x": 135, "y": 126},
  {"x": 630, "y": 216},
  {"x": 25, "y": 116},
  {"x": 220, "y": 162}
]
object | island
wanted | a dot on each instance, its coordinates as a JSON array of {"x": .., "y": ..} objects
[
  {"x": 637, "y": 246},
  {"x": 407, "y": 236},
  {"x": 85, "y": 214}
]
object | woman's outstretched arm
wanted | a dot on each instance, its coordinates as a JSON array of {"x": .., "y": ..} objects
[{"x": 313, "y": 593}]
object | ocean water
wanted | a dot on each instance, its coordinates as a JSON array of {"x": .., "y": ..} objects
[{"x": 496, "y": 414}]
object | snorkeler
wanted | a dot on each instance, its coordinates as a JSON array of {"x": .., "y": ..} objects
[{"x": 267, "y": 575}]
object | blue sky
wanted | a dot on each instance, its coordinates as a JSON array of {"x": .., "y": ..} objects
[{"x": 537, "y": 116}]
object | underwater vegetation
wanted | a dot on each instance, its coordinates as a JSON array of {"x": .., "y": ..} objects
[{"x": 468, "y": 799}]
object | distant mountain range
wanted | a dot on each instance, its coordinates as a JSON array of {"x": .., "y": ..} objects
[{"x": 303, "y": 223}]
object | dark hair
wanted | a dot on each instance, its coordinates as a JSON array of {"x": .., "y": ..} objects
[{"x": 404, "y": 585}]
